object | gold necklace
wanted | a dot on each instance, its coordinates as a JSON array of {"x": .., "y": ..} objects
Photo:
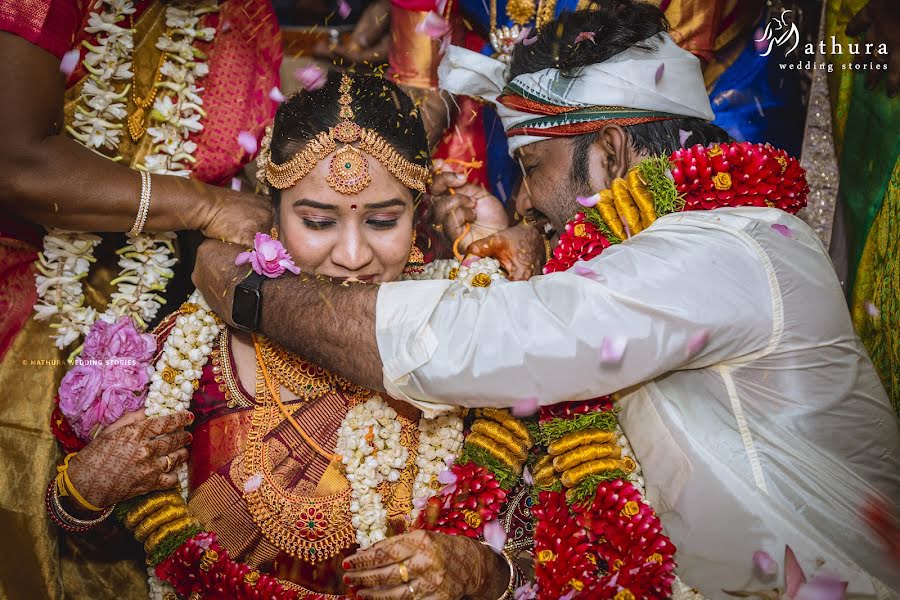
[
  {"x": 137, "y": 121},
  {"x": 303, "y": 378}
]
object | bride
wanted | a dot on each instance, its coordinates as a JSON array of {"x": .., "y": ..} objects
[{"x": 300, "y": 484}]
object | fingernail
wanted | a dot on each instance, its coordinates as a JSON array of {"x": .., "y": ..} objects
[
  {"x": 190, "y": 438},
  {"x": 346, "y": 579},
  {"x": 346, "y": 564},
  {"x": 191, "y": 417}
]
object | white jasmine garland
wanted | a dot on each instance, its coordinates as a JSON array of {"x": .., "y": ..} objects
[
  {"x": 440, "y": 442},
  {"x": 453, "y": 269}
]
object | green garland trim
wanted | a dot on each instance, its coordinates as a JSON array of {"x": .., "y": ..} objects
[
  {"x": 592, "y": 216},
  {"x": 587, "y": 488},
  {"x": 481, "y": 457},
  {"x": 654, "y": 174},
  {"x": 554, "y": 429},
  {"x": 170, "y": 544}
]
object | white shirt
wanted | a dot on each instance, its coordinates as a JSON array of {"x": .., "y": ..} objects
[{"x": 773, "y": 434}]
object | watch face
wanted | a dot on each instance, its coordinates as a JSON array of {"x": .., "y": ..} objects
[{"x": 246, "y": 308}]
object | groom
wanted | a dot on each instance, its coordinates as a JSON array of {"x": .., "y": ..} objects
[{"x": 776, "y": 432}]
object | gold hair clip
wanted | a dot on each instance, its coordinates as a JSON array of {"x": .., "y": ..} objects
[{"x": 348, "y": 169}]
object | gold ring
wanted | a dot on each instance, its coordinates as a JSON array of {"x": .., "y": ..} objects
[
  {"x": 168, "y": 466},
  {"x": 404, "y": 573}
]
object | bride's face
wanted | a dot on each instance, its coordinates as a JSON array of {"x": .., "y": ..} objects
[{"x": 366, "y": 236}]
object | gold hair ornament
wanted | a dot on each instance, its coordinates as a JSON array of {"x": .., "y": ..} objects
[{"x": 348, "y": 169}]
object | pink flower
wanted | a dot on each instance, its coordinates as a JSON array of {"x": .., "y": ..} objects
[
  {"x": 268, "y": 257},
  {"x": 434, "y": 26},
  {"x": 127, "y": 374},
  {"x": 247, "y": 141},
  {"x": 311, "y": 77},
  {"x": 495, "y": 535},
  {"x": 118, "y": 340},
  {"x": 69, "y": 61},
  {"x": 525, "y": 407},
  {"x": 78, "y": 390}
]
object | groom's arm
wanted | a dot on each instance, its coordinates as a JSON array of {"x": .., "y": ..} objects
[{"x": 329, "y": 324}]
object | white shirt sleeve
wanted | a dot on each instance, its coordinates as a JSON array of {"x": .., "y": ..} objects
[{"x": 656, "y": 293}]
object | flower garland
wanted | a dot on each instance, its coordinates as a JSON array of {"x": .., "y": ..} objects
[
  {"x": 479, "y": 273},
  {"x": 696, "y": 178},
  {"x": 146, "y": 260},
  {"x": 440, "y": 441}
]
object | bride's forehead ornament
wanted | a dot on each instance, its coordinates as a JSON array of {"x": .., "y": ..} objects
[{"x": 348, "y": 169}]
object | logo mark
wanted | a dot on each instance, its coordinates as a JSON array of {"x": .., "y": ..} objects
[{"x": 779, "y": 32}]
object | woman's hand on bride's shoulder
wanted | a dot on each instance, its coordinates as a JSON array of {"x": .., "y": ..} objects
[
  {"x": 428, "y": 566},
  {"x": 128, "y": 458}
]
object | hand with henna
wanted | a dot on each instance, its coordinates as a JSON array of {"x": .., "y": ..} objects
[
  {"x": 520, "y": 250},
  {"x": 128, "y": 458},
  {"x": 436, "y": 566}
]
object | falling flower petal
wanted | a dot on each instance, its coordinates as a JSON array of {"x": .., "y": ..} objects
[
  {"x": 494, "y": 535},
  {"x": 434, "y": 26},
  {"x": 419, "y": 503},
  {"x": 793, "y": 573},
  {"x": 568, "y": 596},
  {"x": 585, "y": 272},
  {"x": 585, "y": 35},
  {"x": 659, "y": 72},
  {"x": 310, "y": 77},
  {"x": 528, "y": 591},
  {"x": 530, "y": 41},
  {"x": 683, "y": 136},
  {"x": 612, "y": 349},
  {"x": 783, "y": 230},
  {"x": 247, "y": 141},
  {"x": 522, "y": 35},
  {"x": 588, "y": 201},
  {"x": 446, "y": 477},
  {"x": 764, "y": 563},
  {"x": 343, "y": 8},
  {"x": 69, "y": 61},
  {"x": 872, "y": 310},
  {"x": 759, "y": 40},
  {"x": 697, "y": 342},
  {"x": 527, "y": 477},
  {"x": 275, "y": 95},
  {"x": 225, "y": 26},
  {"x": 236, "y": 184},
  {"x": 440, "y": 6},
  {"x": 525, "y": 407},
  {"x": 823, "y": 586},
  {"x": 253, "y": 482}
]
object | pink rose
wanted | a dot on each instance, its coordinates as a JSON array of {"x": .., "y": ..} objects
[
  {"x": 78, "y": 391},
  {"x": 127, "y": 374},
  {"x": 119, "y": 339},
  {"x": 268, "y": 257}
]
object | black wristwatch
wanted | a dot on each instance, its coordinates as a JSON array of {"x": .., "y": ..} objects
[{"x": 247, "y": 306}]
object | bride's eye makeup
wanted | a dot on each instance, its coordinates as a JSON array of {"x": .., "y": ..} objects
[
  {"x": 318, "y": 224},
  {"x": 383, "y": 222}
]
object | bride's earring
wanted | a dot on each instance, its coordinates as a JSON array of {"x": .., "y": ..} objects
[{"x": 416, "y": 259}]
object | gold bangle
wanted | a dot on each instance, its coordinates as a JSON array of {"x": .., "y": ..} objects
[
  {"x": 150, "y": 505},
  {"x": 143, "y": 207}
]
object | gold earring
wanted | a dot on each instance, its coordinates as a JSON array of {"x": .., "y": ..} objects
[
  {"x": 416, "y": 262},
  {"x": 273, "y": 233}
]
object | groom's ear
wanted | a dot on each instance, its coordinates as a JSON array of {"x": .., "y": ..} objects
[{"x": 609, "y": 153}]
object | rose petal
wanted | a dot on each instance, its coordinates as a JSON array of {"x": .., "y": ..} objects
[
  {"x": 872, "y": 310},
  {"x": 275, "y": 95},
  {"x": 525, "y": 407},
  {"x": 446, "y": 477},
  {"x": 683, "y": 136},
  {"x": 793, "y": 573},
  {"x": 585, "y": 35},
  {"x": 697, "y": 342},
  {"x": 588, "y": 201},
  {"x": 247, "y": 141},
  {"x": 495, "y": 535},
  {"x": 527, "y": 477},
  {"x": 612, "y": 349},
  {"x": 344, "y": 8},
  {"x": 310, "y": 77},
  {"x": 783, "y": 230},
  {"x": 586, "y": 272},
  {"x": 242, "y": 259},
  {"x": 568, "y": 596},
  {"x": 225, "y": 26},
  {"x": 434, "y": 26},
  {"x": 530, "y": 41},
  {"x": 69, "y": 61},
  {"x": 522, "y": 35},
  {"x": 823, "y": 587},
  {"x": 764, "y": 563},
  {"x": 236, "y": 184},
  {"x": 253, "y": 482},
  {"x": 659, "y": 72}
]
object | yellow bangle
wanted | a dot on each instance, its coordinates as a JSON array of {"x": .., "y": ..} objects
[
  {"x": 150, "y": 505},
  {"x": 68, "y": 489}
]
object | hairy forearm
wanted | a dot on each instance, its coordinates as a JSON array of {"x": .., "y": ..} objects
[{"x": 331, "y": 325}]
